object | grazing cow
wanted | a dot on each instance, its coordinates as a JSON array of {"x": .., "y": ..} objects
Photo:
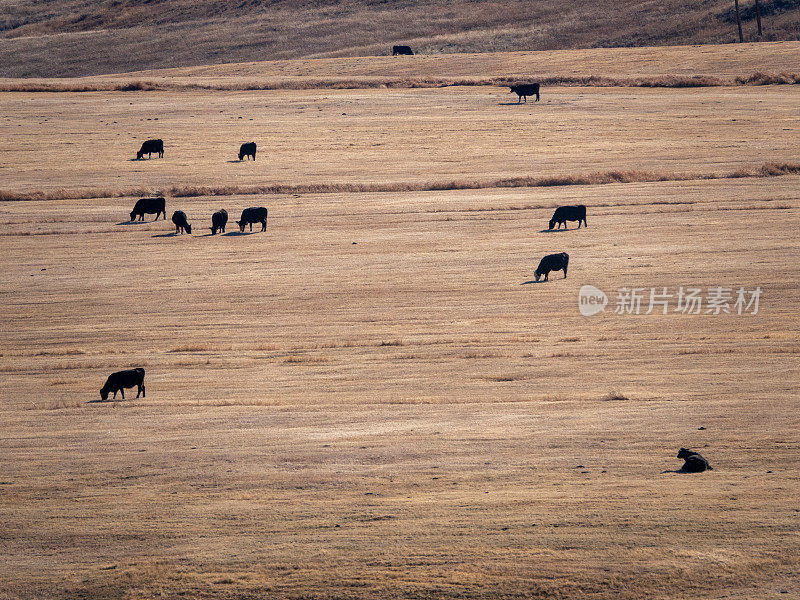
[
  {"x": 552, "y": 262},
  {"x": 218, "y": 221},
  {"x": 694, "y": 463},
  {"x": 569, "y": 213},
  {"x": 149, "y": 147},
  {"x": 248, "y": 149},
  {"x": 117, "y": 382},
  {"x": 402, "y": 50},
  {"x": 523, "y": 90},
  {"x": 181, "y": 222},
  {"x": 254, "y": 214},
  {"x": 149, "y": 206}
]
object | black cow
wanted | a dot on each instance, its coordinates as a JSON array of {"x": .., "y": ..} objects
[
  {"x": 218, "y": 221},
  {"x": 402, "y": 50},
  {"x": 254, "y": 214},
  {"x": 552, "y": 262},
  {"x": 117, "y": 382},
  {"x": 247, "y": 149},
  {"x": 149, "y": 147},
  {"x": 694, "y": 463},
  {"x": 523, "y": 90},
  {"x": 569, "y": 213},
  {"x": 181, "y": 222},
  {"x": 149, "y": 206}
]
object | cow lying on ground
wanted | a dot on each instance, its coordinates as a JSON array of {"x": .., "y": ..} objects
[
  {"x": 523, "y": 90},
  {"x": 402, "y": 50},
  {"x": 254, "y": 214},
  {"x": 552, "y": 262},
  {"x": 569, "y": 213},
  {"x": 117, "y": 382},
  {"x": 218, "y": 221},
  {"x": 694, "y": 463},
  {"x": 181, "y": 222},
  {"x": 247, "y": 149},
  {"x": 150, "y": 147},
  {"x": 149, "y": 206}
]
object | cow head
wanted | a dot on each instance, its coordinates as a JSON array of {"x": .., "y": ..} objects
[
  {"x": 552, "y": 223},
  {"x": 188, "y": 228},
  {"x": 537, "y": 275},
  {"x": 133, "y": 215},
  {"x": 241, "y": 155},
  {"x": 241, "y": 225},
  {"x": 104, "y": 393}
]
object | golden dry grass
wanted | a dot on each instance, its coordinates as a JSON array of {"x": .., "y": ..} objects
[{"x": 370, "y": 400}]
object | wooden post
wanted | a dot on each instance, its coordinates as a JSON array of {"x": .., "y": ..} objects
[
  {"x": 758, "y": 17},
  {"x": 738, "y": 20}
]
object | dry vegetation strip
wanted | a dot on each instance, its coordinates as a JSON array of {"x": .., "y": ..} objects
[
  {"x": 338, "y": 83},
  {"x": 771, "y": 169}
]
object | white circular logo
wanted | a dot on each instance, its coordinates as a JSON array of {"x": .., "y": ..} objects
[{"x": 591, "y": 300}]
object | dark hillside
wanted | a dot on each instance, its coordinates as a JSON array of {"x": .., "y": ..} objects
[{"x": 78, "y": 37}]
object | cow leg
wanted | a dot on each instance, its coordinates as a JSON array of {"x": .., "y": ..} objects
[
  {"x": 121, "y": 391},
  {"x": 251, "y": 227},
  {"x": 565, "y": 272}
]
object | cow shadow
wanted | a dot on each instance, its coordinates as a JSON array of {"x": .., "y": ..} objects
[
  {"x": 555, "y": 230},
  {"x": 511, "y": 104},
  {"x": 533, "y": 281},
  {"x": 170, "y": 234},
  {"x": 236, "y": 161},
  {"x": 101, "y": 401},
  {"x": 132, "y": 222},
  {"x": 239, "y": 233}
]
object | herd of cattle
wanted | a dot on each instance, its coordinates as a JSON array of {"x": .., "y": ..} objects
[
  {"x": 258, "y": 214},
  {"x": 158, "y": 207}
]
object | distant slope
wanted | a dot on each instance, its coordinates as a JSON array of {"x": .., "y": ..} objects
[{"x": 46, "y": 38}]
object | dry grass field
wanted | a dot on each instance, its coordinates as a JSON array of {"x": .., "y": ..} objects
[{"x": 373, "y": 399}]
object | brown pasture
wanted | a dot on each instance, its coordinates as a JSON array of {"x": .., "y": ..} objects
[{"x": 371, "y": 399}]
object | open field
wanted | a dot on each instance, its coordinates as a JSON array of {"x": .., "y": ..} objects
[
  {"x": 373, "y": 399},
  {"x": 85, "y": 143}
]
